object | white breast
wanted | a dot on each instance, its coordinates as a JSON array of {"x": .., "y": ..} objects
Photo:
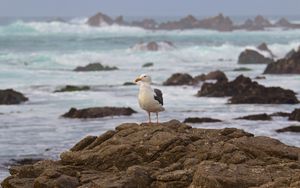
[{"x": 147, "y": 101}]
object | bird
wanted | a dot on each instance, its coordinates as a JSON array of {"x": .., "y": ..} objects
[{"x": 150, "y": 100}]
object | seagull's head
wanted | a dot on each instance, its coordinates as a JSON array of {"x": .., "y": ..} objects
[{"x": 143, "y": 78}]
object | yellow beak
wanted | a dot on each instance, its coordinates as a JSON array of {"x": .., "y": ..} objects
[{"x": 137, "y": 79}]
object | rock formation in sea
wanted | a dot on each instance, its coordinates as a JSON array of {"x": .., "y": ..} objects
[
  {"x": 153, "y": 46},
  {"x": 72, "y": 88},
  {"x": 255, "y": 117},
  {"x": 10, "y": 96},
  {"x": 200, "y": 120},
  {"x": 253, "y": 57},
  {"x": 180, "y": 79},
  {"x": 264, "y": 47},
  {"x": 288, "y": 65},
  {"x": 214, "y": 75},
  {"x": 98, "y": 112},
  {"x": 245, "y": 91},
  {"x": 94, "y": 67},
  {"x": 170, "y": 154}
]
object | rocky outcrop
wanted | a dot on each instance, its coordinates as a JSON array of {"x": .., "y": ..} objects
[
  {"x": 214, "y": 75},
  {"x": 94, "y": 67},
  {"x": 72, "y": 88},
  {"x": 146, "y": 24},
  {"x": 292, "y": 128},
  {"x": 259, "y": 23},
  {"x": 283, "y": 22},
  {"x": 10, "y": 96},
  {"x": 295, "y": 115},
  {"x": 289, "y": 65},
  {"x": 245, "y": 91},
  {"x": 264, "y": 47},
  {"x": 100, "y": 19},
  {"x": 253, "y": 57},
  {"x": 153, "y": 46},
  {"x": 149, "y": 64},
  {"x": 219, "y": 23},
  {"x": 98, "y": 112},
  {"x": 201, "y": 120},
  {"x": 261, "y": 117},
  {"x": 180, "y": 79},
  {"x": 188, "y": 22},
  {"x": 169, "y": 154}
]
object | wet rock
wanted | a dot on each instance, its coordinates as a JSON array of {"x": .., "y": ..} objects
[
  {"x": 128, "y": 84},
  {"x": 25, "y": 161},
  {"x": 240, "y": 69},
  {"x": 259, "y": 23},
  {"x": 188, "y": 22},
  {"x": 245, "y": 91},
  {"x": 261, "y": 117},
  {"x": 149, "y": 64},
  {"x": 153, "y": 46},
  {"x": 180, "y": 79},
  {"x": 169, "y": 154},
  {"x": 219, "y": 23},
  {"x": 201, "y": 120},
  {"x": 72, "y": 88},
  {"x": 10, "y": 96},
  {"x": 100, "y": 19},
  {"x": 260, "y": 78},
  {"x": 290, "y": 65},
  {"x": 253, "y": 57},
  {"x": 290, "y": 54},
  {"x": 214, "y": 75},
  {"x": 94, "y": 67},
  {"x": 264, "y": 47},
  {"x": 292, "y": 128},
  {"x": 283, "y": 22},
  {"x": 282, "y": 114},
  {"x": 98, "y": 112},
  {"x": 295, "y": 115}
]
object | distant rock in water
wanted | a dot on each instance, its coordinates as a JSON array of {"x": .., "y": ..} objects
[
  {"x": 214, "y": 75},
  {"x": 295, "y": 115},
  {"x": 261, "y": 117},
  {"x": 219, "y": 23},
  {"x": 259, "y": 23},
  {"x": 201, "y": 120},
  {"x": 169, "y": 154},
  {"x": 245, "y": 91},
  {"x": 292, "y": 128},
  {"x": 149, "y": 64},
  {"x": 283, "y": 22},
  {"x": 146, "y": 24},
  {"x": 98, "y": 112},
  {"x": 264, "y": 47},
  {"x": 10, "y": 96},
  {"x": 289, "y": 65},
  {"x": 100, "y": 19},
  {"x": 128, "y": 84},
  {"x": 253, "y": 57},
  {"x": 94, "y": 67},
  {"x": 180, "y": 79},
  {"x": 153, "y": 46},
  {"x": 242, "y": 69},
  {"x": 72, "y": 88}
]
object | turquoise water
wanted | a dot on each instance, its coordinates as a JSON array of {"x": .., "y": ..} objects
[{"x": 38, "y": 57}]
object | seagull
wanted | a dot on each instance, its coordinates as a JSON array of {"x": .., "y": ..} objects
[{"x": 149, "y": 100}]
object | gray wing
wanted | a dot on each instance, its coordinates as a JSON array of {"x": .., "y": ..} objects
[{"x": 158, "y": 96}]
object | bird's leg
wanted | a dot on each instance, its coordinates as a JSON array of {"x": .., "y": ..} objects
[
  {"x": 149, "y": 115},
  {"x": 157, "y": 117}
]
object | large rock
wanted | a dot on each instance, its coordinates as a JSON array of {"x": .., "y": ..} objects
[
  {"x": 94, "y": 67},
  {"x": 153, "y": 46},
  {"x": 219, "y": 23},
  {"x": 201, "y": 120},
  {"x": 264, "y": 47},
  {"x": 295, "y": 115},
  {"x": 98, "y": 112},
  {"x": 261, "y": 117},
  {"x": 72, "y": 88},
  {"x": 146, "y": 24},
  {"x": 290, "y": 65},
  {"x": 292, "y": 128},
  {"x": 169, "y": 154},
  {"x": 259, "y": 23},
  {"x": 253, "y": 57},
  {"x": 180, "y": 79},
  {"x": 10, "y": 96},
  {"x": 283, "y": 22},
  {"x": 214, "y": 75},
  {"x": 245, "y": 91},
  {"x": 188, "y": 22},
  {"x": 100, "y": 19}
]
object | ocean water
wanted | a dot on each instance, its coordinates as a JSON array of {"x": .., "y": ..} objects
[{"x": 37, "y": 57}]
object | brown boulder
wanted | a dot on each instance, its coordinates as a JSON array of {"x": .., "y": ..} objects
[
  {"x": 98, "y": 112},
  {"x": 94, "y": 67},
  {"x": 169, "y": 154},
  {"x": 290, "y": 65},
  {"x": 214, "y": 75},
  {"x": 10, "y": 96},
  {"x": 100, "y": 19},
  {"x": 261, "y": 117},
  {"x": 180, "y": 79},
  {"x": 263, "y": 47},
  {"x": 153, "y": 46},
  {"x": 201, "y": 120},
  {"x": 245, "y": 91},
  {"x": 253, "y": 57},
  {"x": 292, "y": 128},
  {"x": 295, "y": 115}
]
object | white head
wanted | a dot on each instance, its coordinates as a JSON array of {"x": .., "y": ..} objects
[{"x": 143, "y": 78}]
